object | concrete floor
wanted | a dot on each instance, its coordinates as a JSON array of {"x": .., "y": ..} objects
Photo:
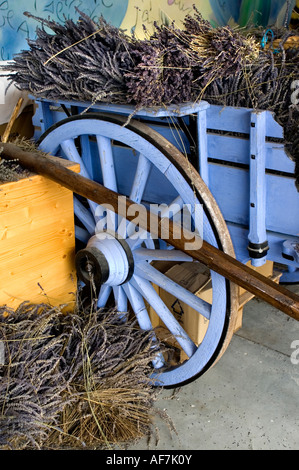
[{"x": 249, "y": 400}]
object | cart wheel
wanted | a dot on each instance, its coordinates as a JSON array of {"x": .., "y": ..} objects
[{"x": 139, "y": 163}]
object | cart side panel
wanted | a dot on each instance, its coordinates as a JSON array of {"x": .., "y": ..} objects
[
  {"x": 172, "y": 127},
  {"x": 238, "y": 120},
  {"x": 230, "y": 187},
  {"x": 237, "y": 140},
  {"x": 229, "y": 155}
]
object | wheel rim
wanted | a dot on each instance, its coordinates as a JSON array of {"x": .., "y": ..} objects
[{"x": 89, "y": 140}]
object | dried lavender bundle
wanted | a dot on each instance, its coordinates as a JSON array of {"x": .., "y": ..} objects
[
  {"x": 265, "y": 85},
  {"x": 77, "y": 61},
  {"x": 177, "y": 67},
  {"x": 72, "y": 380},
  {"x": 111, "y": 379},
  {"x": 11, "y": 171},
  {"x": 162, "y": 74},
  {"x": 89, "y": 61},
  {"x": 217, "y": 52},
  {"x": 144, "y": 82},
  {"x": 175, "y": 64},
  {"x": 31, "y": 387}
]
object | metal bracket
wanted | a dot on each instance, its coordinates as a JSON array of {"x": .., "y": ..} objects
[{"x": 290, "y": 250}]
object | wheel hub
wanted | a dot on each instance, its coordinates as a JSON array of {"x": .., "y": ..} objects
[{"x": 106, "y": 260}]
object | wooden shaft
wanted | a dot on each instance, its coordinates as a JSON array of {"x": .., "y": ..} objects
[
  {"x": 11, "y": 122},
  {"x": 254, "y": 282},
  {"x": 229, "y": 267}
]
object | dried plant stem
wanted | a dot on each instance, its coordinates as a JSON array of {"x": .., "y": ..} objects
[
  {"x": 73, "y": 381},
  {"x": 90, "y": 62},
  {"x": 72, "y": 45}
]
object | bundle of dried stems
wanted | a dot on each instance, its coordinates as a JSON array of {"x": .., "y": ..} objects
[
  {"x": 89, "y": 61},
  {"x": 73, "y": 380}
]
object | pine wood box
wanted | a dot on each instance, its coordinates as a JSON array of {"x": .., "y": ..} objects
[
  {"x": 37, "y": 242},
  {"x": 195, "y": 278}
]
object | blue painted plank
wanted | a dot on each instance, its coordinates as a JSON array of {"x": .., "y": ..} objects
[
  {"x": 202, "y": 146},
  {"x": 282, "y": 200},
  {"x": 175, "y": 135},
  {"x": 230, "y": 188},
  {"x": 237, "y": 150},
  {"x": 228, "y": 119},
  {"x": 167, "y": 127},
  {"x": 277, "y": 158},
  {"x": 175, "y": 110},
  {"x": 230, "y": 149},
  {"x": 273, "y": 129},
  {"x": 238, "y": 120}
]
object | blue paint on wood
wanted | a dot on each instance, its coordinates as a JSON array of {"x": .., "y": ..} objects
[
  {"x": 226, "y": 143},
  {"x": 257, "y": 181}
]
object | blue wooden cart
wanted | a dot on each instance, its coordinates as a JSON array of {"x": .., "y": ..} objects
[{"x": 231, "y": 162}]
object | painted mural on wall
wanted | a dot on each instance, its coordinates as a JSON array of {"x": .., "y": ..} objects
[
  {"x": 15, "y": 27},
  {"x": 131, "y": 15},
  {"x": 218, "y": 12}
]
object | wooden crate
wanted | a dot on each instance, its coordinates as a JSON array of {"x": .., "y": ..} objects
[
  {"x": 195, "y": 277},
  {"x": 23, "y": 124},
  {"x": 244, "y": 296},
  {"x": 37, "y": 240}
]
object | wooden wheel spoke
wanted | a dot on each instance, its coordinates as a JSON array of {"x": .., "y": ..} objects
[
  {"x": 141, "y": 177},
  {"x": 145, "y": 254},
  {"x": 107, "y": 162},
  {"x": 69, "y": 148},
  {"x": 108, "y": 172},
  {"x": 171, "y": 210},
  {"x": 140, "y": 310},
  {"x": 120, "y": 299},
  {"x": 177, "y": 204},
  {"x": 82, "y": 234},
  {"x": 138, "y": 305},
  {"x": 148, "y": 272},
  {"x": 84, "y": 216},
  {"x": 137, "y": 190},
  {"x": 104, "y": 296},
  {"x": 148, "y": 292}
]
